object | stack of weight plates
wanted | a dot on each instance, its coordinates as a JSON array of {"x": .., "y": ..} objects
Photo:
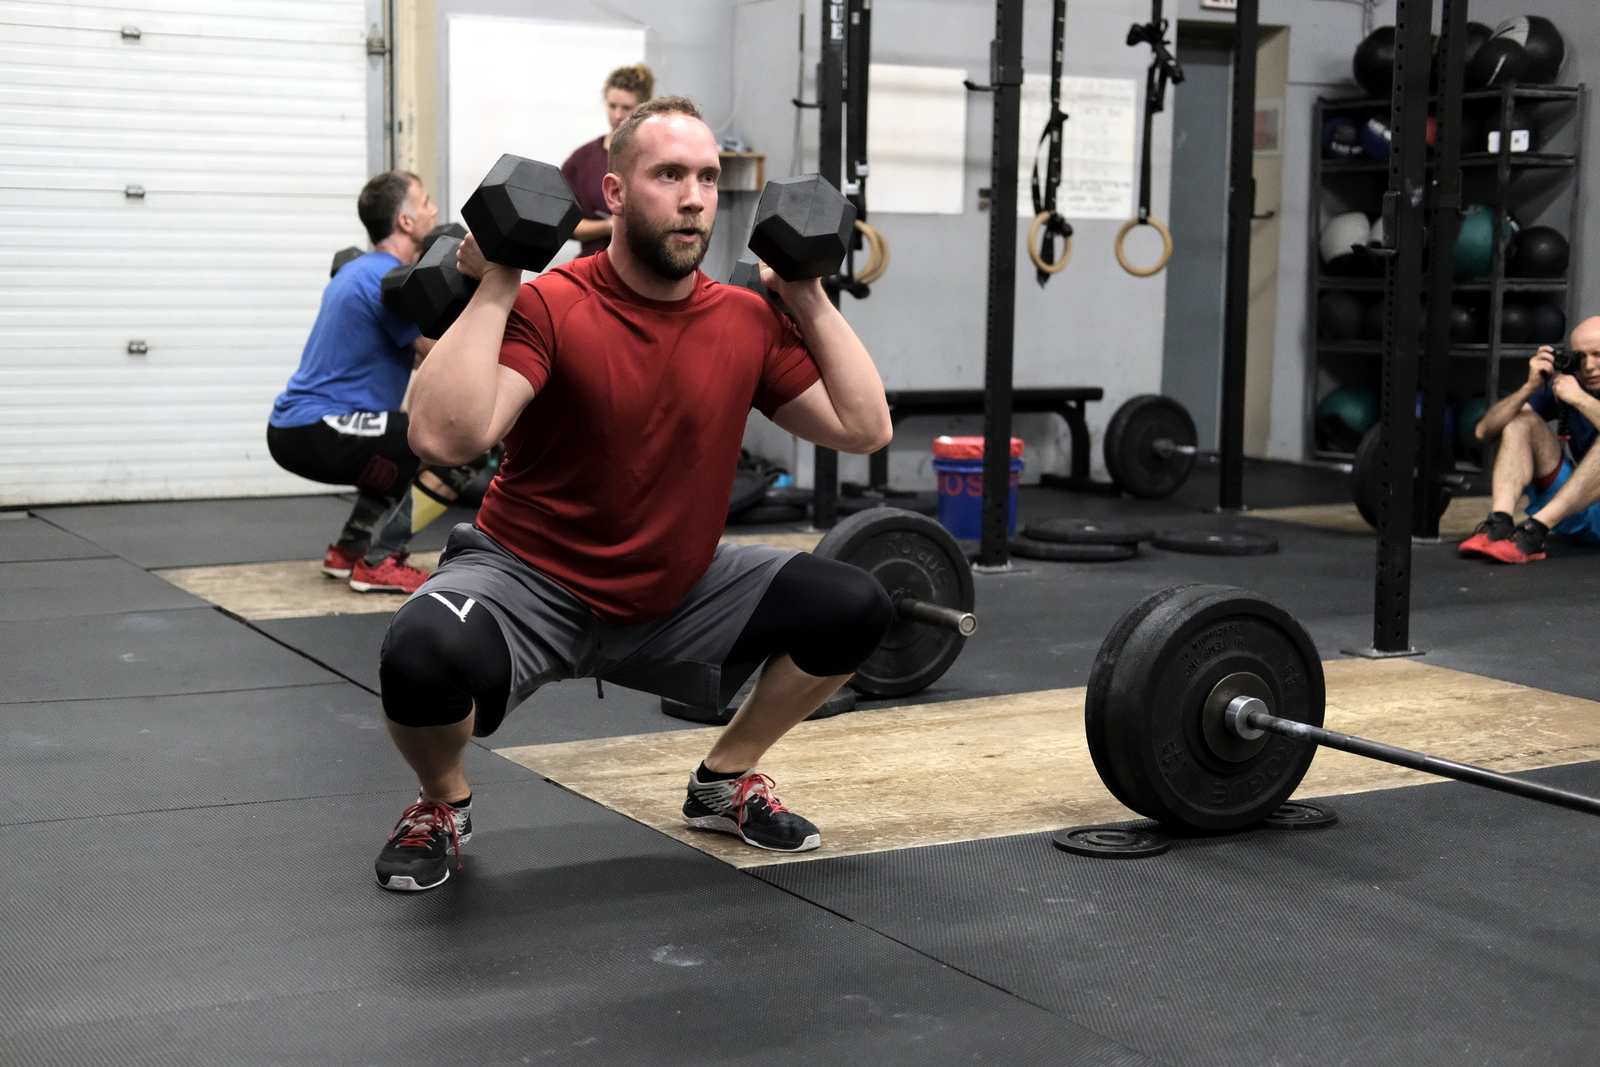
[{"x": 1081, "y": 540}]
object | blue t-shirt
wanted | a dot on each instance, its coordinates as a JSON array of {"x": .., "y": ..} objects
[
  {"x": 1545, "y": 402},
  {"x": 359, "y": 355}
]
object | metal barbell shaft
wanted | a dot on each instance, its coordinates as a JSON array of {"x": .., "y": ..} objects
[
  {"x": 957, "y": 622},
  {"x": 1165, "y": 448},
  {"x": 1261, "y": 719}
]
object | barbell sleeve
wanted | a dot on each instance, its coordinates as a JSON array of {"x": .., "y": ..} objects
[
  {"x": 1419, "y": 761},
  {"x": 1164, "y": 448},
  {"x": 957, "y": 622}
]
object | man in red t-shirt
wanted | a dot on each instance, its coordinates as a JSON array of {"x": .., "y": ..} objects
[{"x": 621, "y": 384}]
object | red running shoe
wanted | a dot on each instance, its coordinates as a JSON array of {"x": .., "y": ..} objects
[
  {"x": 337, "y": 563},
  {"x": 1497, "y": 527},
  {"x": 1525, "y": 545},
  {"x": 393, "y": 575}
]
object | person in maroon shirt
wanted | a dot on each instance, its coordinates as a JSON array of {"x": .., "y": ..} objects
[
  {"x": 620, "y": 384},
  {"x": 626, "y": 88}
]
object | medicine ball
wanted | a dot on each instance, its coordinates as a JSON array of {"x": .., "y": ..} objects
[
  {"x": 1524, "y": 135},
  {"x": 1375, "y": 138},
  {"x": 1516, "y": 325},
  {"x": 1539, "y": 252},
  {"x": 1472, "y": 411},
  {"x": 1464, "y": 326},
  {"x": 1345, "y": 415},
  {"x": 1475, "y": 242},
  {"x": 1477, "y": 33},
  {"x": 1541, "y": 42},
  {"x": 1373, "y": 64},
  {"x": 1547, "y": 324},
  {"x": 1498, "y": 61},
  {"x": 1340, "y": 237},
  {"x": 1339, "y": 315},
  {"x": 1341, "y": 138},
  {"x": 1375, "y": 321}
]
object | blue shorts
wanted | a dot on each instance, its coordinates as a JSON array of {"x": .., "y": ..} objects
[{"x": 1584, "y": 526}]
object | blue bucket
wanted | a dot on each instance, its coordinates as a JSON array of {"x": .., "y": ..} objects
[{"x": 961, "y": 496}]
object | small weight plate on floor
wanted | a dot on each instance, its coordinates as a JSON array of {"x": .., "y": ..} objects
[
  {"x": 1089, "y": 531},
  {"x": 842, "y": 701},
  {"x": 1028, "y": 548},
  {"x": 1299, "y": 815},
  {"x": 1111, "y": 842},
  {"x": 1161, "y": 667},
  {"x": 1201, "y": 543},
  {"x": 913, "y": 555}
]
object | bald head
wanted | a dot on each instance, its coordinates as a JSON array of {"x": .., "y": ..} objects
[
  {"x": 1586, "y": 336},
  {"x": 673, "y": 118}
]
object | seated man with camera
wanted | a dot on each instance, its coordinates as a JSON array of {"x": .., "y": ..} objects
[{"x": 1563, "y": 490}]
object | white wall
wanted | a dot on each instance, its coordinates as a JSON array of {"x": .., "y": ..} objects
[{"x": 924, "y": 322}]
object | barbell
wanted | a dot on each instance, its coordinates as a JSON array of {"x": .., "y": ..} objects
[
  {"x": 1204, "y": 711},
  {"x": 1150, "y": 446}
]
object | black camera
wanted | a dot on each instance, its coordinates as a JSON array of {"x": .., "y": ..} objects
[{"x": 1566, "y": 361}]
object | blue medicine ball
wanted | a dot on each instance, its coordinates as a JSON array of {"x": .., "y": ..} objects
[
  {"x": 1375, "y": 139},
  {"x": 1341, "y": 138}
]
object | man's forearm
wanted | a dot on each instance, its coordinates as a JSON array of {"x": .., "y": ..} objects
[
  {"x": 1499, "y": 416},
  {"x": 453, "y": 399},
  {"x": 854, "y": 386}
]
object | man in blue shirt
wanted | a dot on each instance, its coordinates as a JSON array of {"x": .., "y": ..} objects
[
  {"x": 1563, "y": 491},
  {"x": 339, "y": 421}
]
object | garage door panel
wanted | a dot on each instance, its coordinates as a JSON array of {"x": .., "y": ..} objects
[
  {"x": 244, "y": 121},
  {"x": 314, "y": 21}
]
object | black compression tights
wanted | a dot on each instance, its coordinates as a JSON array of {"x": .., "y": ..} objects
[{"x": 828, "y": 616}]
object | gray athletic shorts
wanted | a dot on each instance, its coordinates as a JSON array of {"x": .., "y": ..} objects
[{"x": 552, "y": 635}]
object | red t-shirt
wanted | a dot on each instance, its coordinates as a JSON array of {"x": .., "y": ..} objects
[
  {"x": 617, "y": 475},
  {"x": 583, "y": 171}
]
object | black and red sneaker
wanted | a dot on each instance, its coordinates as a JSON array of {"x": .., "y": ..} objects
[
  {"x": 1497, "y": 527},
  {"x": 418, "y": 856},
  {"x": 746, "y": 808},
  {"x": 1525, "y": 545}
]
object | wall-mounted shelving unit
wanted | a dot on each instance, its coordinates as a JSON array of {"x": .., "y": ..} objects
[{"x": 1538, "y": 187}]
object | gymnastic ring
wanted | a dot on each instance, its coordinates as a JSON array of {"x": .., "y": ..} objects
[
  {"x": 1166, "y": 247},
  {"x": 1033, "y": 238},
  {"x": 878, "y": 254}
]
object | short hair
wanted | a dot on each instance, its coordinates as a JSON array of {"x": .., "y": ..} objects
[
  {"x": 637, "y": 79},
  {"x": 623, "y": 137},
  {"x": 381, "y": 200}
]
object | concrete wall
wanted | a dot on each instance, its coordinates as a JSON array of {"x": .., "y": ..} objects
[{"x": 925, "y": 321}]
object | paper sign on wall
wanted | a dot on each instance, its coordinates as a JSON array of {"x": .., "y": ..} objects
[
  {"x": 1097, "y": 145},
  {"x": 917, "y": 131}
]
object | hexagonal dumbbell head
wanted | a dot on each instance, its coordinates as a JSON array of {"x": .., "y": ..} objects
[
  {"x": 448, "y": 229},
  {"x": 434, "y": 294},
  {"x": 746, "y": 274},
  {"x": 522, "y": 213},
  {"x": 343, "y": 256},
  {"x": 391, "y": 291},
  {"x": 803, "y": 227}
]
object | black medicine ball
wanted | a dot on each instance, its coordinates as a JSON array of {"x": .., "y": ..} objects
[
  {"x": 1341, "y": 138},
  {"x": 1499, "y": 61},
  {"x": 1477, "y": 33},
  {"x": 1339, "y": 315},
  {"x": 1516, "y": 325},
  {"x": 1374, "y": 321},
  {"x": 1539, "y": 252},
  {"x": 1373, "y": 63},
  {"x": 1547, "y": 325},
  {"x": 1542, "y": 43},
  {"x": 1464, "y": 326},
  {"x": 1485, "y": 126}
]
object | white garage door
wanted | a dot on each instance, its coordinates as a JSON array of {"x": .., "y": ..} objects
[{"x": 143, "y": 337}]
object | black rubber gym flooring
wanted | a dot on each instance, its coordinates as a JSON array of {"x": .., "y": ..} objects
[{"x": 194, "y": 803}]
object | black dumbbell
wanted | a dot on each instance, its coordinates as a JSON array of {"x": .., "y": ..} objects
[
  {"x": 522, "y": 213},
  {"x": 803, "y": 227},
  {"x": 343, "y": 256}
]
